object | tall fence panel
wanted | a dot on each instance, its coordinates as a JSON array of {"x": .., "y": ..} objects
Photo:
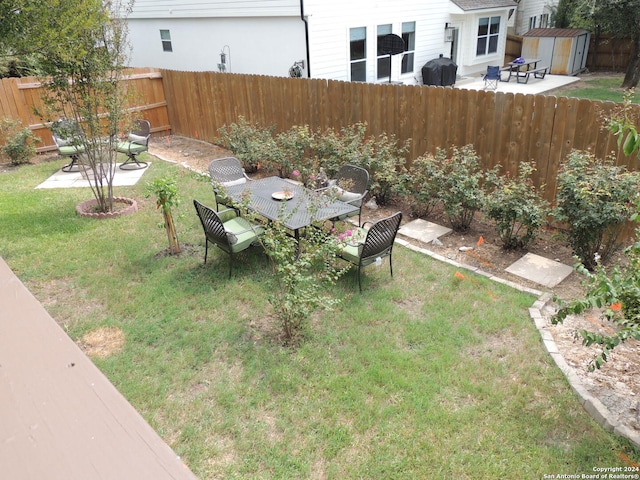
[
  {"x": 22, "y": 99},
  {"x": 504, "y": 128}
]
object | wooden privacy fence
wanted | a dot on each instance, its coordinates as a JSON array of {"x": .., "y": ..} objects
[
  {"x": 504, "y": 128},
  {"x": 20, "y": 97}
]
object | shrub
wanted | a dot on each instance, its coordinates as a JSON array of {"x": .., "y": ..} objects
[
  {"x": 459, "y": 183},
  {"x": 385, "y": 160},
  {"x": 421, "y": 192},
  {"x": 516, "y": 207},
  {"x": 595, "y": 199},
  {"x": 293, "y": 151},
  {"x": 19, "y": 143},
  {"x": 251, "y": 143},
  {"x": 302, "y": 273},
  {"x": 334, "y": 149}
]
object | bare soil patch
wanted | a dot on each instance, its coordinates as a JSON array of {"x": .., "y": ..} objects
[{"x": 616, "y": 385}]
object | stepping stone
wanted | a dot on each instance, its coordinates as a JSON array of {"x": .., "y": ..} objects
[
  {"x": 540, "y": 270},
  {"x": 422, "y": 230}
]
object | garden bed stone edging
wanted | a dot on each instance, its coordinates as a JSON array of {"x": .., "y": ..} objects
[
  {"x": 86, "y": 208},
  {"x": 596, "y": 409}
]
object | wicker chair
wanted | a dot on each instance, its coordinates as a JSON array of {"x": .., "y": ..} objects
[
  {"x": 65, "y": 135},
  {"x": 225, "y": 172},
  {"x": 378, "y": 243},
  {"x": 232, "y": 236},
  {"x": 137, "y": 142},
  {"x": 351, "y": 184}
]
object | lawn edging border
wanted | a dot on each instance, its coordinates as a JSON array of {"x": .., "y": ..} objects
[{"x": 594, "y": 407}]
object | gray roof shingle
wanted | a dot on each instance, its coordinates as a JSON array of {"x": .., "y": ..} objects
[{"x": 482, "y": 4}]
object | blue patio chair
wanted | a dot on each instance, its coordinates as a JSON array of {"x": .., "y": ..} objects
[{"x": 492, "y": 77}]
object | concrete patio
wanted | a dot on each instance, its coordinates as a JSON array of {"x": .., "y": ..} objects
[{"x": 534, "y": 86}]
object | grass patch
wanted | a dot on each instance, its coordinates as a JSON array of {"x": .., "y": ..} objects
[
  {"x": 602, "y": 89},
  {"x": 420, "y": 376}
]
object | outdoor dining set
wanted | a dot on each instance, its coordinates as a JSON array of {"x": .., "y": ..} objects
[
  {"x": 297, "y": 207},
  {"x": 520, "y": 68}
]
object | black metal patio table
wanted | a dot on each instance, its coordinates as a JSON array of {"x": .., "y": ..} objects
[{"x": 301, "y": 210}]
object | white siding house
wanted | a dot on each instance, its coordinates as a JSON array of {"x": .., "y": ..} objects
[
  {"x": 332, "y": 39},
  {"x": 534, "y": 14}
]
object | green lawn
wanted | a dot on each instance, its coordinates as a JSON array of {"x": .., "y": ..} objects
[
  {"x": 420, "y": 376},
  {"x": 603, "y": 89}
]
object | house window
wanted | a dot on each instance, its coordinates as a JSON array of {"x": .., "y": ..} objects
[
  {"x": 165, "y": 36},
  {"x": 384, "y": 60},
  {"x": 409, "y": 37},
  {"x": 358, "y": 54},
  {"x": 544, "y": 20},
  {"x": 532, "y": 22},
  {"x": 488, "y": 34}
]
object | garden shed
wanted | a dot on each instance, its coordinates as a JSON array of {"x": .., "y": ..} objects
[{"x": 564, "y": 50}]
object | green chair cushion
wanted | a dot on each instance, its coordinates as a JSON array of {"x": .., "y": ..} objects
[
  {"x": 352, "y": 252},
  {"x": 69, "y": 150},
  {"x": 128, "y": 147},
  {"x": 243, "y": 240}
]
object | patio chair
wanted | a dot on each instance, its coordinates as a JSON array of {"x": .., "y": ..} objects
[
  {"x": 492, "y": 77},
  {"x": 378, "y": 243},
  {"x": 232, "y": 236},
  {"x": 66, "y": 136},
  {"x": 137, "y": 142},
  {"x": 351, "y": 186},
  {"x": 225, "y": 172}
]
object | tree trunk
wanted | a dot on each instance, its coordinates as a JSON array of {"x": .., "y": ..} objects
[
  {"x": 174, "y": 246},
  {"x": 632, "y": 76}
]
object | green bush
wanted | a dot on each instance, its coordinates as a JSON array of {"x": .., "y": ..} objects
[
  {"x": 458, "y": 181},
  {"x": 595, "y": 199},
  {"x": 516, "y": 206},
  {"x": 421, "y": 192},
  {"x": 19, "y": 141},
  {"x": 385, "y": 160},
  {"x": 293, "y": 151},
  {"x": 251, "y": 143},
  {"x": 334, "y": 149}
]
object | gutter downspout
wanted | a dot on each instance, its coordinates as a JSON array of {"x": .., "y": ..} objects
[{"x": 306, "y": 37}]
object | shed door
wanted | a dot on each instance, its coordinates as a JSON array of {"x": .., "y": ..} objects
[{"x": 580, "y": 57}]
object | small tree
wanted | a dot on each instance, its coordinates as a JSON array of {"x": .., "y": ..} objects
[
  {"x": 82, "y": 74},
  {"x": 166, "y": 192}
]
